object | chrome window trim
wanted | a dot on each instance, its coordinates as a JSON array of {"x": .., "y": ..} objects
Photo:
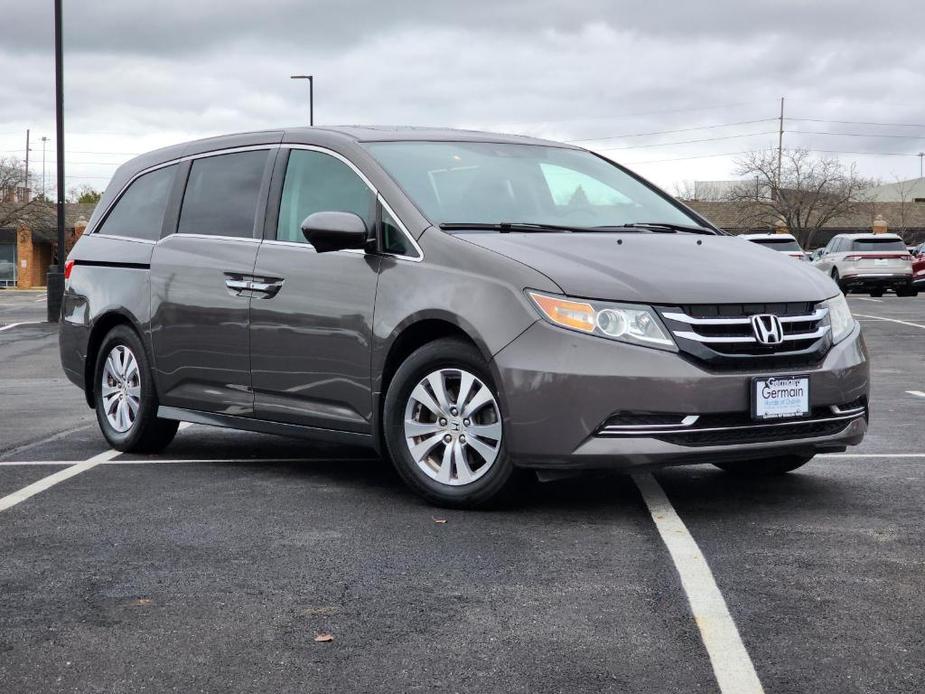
[
  {"x": 178, "y": 160},
  {"x": 245, "y": 239},
  {"x": 119, "y": 237},
  {"x": 253, "y": 148}
]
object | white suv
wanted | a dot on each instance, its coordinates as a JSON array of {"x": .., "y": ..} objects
[{"x": 868, "y": 262}]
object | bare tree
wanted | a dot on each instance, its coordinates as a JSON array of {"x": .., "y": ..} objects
[
  {"x": 810, "y": 193},
  {"x": 15, "y": 205},
  {"x": 685, "y": 190},
  {"x": 904, "y": 189}
]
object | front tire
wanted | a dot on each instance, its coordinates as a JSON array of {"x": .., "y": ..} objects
[
  {"x": 125, "y": 400},
  {"x": 765, "y": 467},
  {"x": 876, "y": 293},
  {"x": 443, "y": 427}
]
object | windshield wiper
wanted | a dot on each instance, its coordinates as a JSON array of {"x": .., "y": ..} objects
[
  {"x": 505, "y": 227},
  {"x": 667, "y": 228}
]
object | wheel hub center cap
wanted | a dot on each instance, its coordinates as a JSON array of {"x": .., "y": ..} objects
[{"x": 455, "y": 425}]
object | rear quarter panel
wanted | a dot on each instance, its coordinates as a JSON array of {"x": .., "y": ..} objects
[{"x": 110, "y": 276}]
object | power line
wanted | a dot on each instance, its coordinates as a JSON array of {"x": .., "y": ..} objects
[
  {"x": 679, "y": 130},
  {"x": 687, "y": 142},
  {"x": 873, "y": 135},
  {"x": 697, "y": 156},
  {"x": 732, "y": 154},
  {"x": 859, "y": 122}
]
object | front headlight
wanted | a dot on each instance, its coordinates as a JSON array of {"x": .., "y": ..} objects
[
  {"x": 637, "y": 325},
  {"x": 840, "y": 318}
]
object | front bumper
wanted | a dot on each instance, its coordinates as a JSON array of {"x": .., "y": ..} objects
[{"x": 558, "y": 389}]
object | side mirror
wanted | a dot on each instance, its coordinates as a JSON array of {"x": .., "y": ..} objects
[{"x": 334, "y": 231}]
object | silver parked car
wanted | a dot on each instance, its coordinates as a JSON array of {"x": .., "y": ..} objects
[{"x": 869, "y": 263}]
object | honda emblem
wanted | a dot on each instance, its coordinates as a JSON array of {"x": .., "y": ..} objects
[{"x": 767, "y": 328}]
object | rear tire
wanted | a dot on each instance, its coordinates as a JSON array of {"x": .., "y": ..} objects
[
  {"x": 125, "y": 400},
  {"x": 907, "y": 291},
  {"x": 448, "y": 446},
  {"x": 837, "y": 279},
  {"x": 765, "y": 467}
]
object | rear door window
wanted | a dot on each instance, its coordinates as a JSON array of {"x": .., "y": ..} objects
[
  {"x": 222, "y": 194},
  {"x": 139, "y": 213}
]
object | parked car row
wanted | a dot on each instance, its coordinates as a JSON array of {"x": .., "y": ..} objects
[{"x": 871, "y": 263}]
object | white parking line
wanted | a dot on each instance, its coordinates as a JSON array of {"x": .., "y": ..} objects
[
  {"x": 916, "y": 392},
  {"x": 732, "y": 665},
  {"x": 12, "y": 499},
  {"x": 891, "y": 320},
  {"x": 864, "y": 298},
  {"x": 14, "y": 325},
  {"x": 184, "y": 461}
]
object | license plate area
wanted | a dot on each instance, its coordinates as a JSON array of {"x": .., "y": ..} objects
[{"x": 779, "y": 397}]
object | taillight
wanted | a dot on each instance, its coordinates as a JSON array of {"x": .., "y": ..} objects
[
  {"x": 853, "y": 258},
  {"x": 68, "y": 266}
]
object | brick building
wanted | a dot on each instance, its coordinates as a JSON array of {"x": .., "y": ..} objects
[{"x": 29, "y": 247}]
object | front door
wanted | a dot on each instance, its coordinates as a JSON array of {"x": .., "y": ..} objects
[
  {"x": 199, "y": 285},
  {"x": 311, "y": 328}
]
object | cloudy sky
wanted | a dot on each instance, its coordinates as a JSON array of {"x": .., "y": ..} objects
[{"x": 141, "y": 74}]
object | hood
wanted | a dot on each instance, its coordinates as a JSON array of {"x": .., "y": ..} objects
[{"x": 654, "y": 268}]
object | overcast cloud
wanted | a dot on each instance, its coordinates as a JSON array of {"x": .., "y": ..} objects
[{"x": 141, "y": 75}]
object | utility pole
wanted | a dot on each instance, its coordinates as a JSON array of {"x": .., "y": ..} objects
[
  {"x": 780, "y": 140},
  {"x": 55, "y": 279},
  {"x": 921, "y": 156},
  {"x": 311, "y": 95},
  {"x": 25, "y": 188},
  {"x": 44, "y": 197}
]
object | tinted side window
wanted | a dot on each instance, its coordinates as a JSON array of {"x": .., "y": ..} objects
[
  {"x": 318, "y": 182},
  {"x": 393, "y": 238},
  {"x": 221, "y": 194},
  {"x": 139, "y": 213}
]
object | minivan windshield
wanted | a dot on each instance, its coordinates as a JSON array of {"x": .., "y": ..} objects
[{"x": 487, "y": 183}]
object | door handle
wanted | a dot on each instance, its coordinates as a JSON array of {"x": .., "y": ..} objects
[
  {"x": 269, "y": 289},
  {"x": 243, "y": 285},
  {"x": 237, "y": 285}
]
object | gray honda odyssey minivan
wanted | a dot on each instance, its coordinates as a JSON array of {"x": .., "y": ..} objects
[{"x": 468, "y": 304}]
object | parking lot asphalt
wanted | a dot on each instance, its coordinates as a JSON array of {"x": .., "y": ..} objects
[{"x": 213, "y": 566}]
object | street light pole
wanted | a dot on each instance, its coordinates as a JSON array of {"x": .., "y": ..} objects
[
  {"x": 921, "y": 156},
  {"x": 311, "y": 95},
  {"x": 44, "y": 140},
  {"x": 55, "y": 278}
]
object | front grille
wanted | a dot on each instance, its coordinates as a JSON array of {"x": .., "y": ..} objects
[{"x": 721, "y": 335}]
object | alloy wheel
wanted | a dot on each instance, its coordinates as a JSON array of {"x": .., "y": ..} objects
[
  {"x": 120, "y": 388},
  {"x": 452, "y": 427}
]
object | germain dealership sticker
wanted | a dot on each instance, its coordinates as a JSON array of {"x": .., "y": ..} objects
[{"x": 777, "y": 397}]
